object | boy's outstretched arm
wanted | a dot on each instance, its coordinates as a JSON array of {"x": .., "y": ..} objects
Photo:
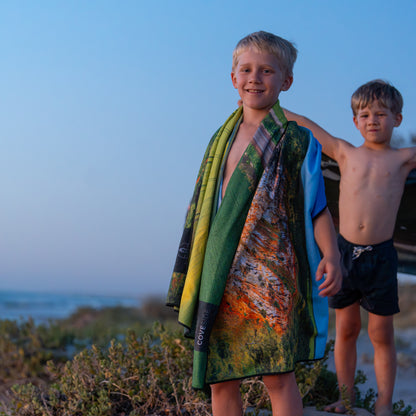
[
  {"x": 330, "y": 144},
  {"x": 329, "y": 265},
  {"x": 411, "y": 156}
]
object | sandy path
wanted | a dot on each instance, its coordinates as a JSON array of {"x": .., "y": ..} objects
[{"x": 405, "y": 388}]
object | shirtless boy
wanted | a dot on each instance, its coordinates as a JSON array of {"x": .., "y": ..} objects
[
  {"x": 249, "y": 253},
  {"x": 372, "y": 181}
]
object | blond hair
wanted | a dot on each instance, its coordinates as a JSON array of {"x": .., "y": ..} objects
[
  {"x": 284, "y": 50},
  {"x": 388, "y": 96}
]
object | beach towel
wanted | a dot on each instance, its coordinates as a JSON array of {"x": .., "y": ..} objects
[{"x": 262, "y": 233}]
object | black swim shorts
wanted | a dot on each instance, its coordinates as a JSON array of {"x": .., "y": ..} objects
[{"x": 369, "y": 276}]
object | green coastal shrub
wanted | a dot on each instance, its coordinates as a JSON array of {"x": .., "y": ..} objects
[
  {"x": 24, "y": 350},
  {"x": 136, "y": 376},
  {"x": 57, "y": 372}
]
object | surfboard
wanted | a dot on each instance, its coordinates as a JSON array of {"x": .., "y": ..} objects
[{"x": 405, "y": 230}]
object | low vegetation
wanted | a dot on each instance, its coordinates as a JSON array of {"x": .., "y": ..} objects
[{"x": 125, "y": 362}]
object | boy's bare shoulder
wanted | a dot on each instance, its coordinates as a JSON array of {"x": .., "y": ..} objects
[
  {"x": 409, "y": 155},
  {"x": 342, "y": 149},
  {"x": 345, "y": 145},
  {"x": 404, "y": 157}
]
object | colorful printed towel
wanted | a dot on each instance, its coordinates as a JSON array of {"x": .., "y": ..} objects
[{"x": 278, "y": 175}]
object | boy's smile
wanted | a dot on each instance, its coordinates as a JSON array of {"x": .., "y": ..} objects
[
  {"x": 259, "y": 79},
  {"x": 376, "y": 122}
]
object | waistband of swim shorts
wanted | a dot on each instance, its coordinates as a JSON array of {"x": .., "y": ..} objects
[{"x": 384, "y": 244}]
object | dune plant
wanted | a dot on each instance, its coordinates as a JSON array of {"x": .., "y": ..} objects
[
  {"x": 136, "y": 377},
  {"x": 143, "y": 375},
  {"x": 57, "y": 372}
]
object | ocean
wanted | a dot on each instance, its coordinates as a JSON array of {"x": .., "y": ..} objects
[{"x": 41, "y": 307}]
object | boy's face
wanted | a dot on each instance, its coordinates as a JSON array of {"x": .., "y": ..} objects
[
  {"x": 376, "y": 123},
  {"x": 259, "y": 79}
]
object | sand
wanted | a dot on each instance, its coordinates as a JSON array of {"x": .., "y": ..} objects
[
  {"x": 406, "y": 370},
  {"x": 310, "y": 411},
  {"x": 405, "y": 388},
  {"x": 405, "y": 336}
]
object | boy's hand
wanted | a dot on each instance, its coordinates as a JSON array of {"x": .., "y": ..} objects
[{"x": 330, "y": 269}]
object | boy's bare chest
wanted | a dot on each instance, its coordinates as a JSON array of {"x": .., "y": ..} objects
[
  {"x": 380, "y": 175},
  {"x": 373, "y": 168},
  {"x": 237, "y": 150}
]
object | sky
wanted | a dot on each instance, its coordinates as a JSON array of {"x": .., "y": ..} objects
[{"x": 106, "y": 108}]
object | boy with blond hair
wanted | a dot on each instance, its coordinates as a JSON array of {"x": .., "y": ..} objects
[
  {"x": 249, "y": 280},
  {"x": 372, "y": 182}
]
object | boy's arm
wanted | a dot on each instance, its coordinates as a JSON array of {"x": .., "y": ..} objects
[
  {"x": 329, "y": 265},
  {"x": 411, "y": 163},
  {"x": 330, "y": 144}
]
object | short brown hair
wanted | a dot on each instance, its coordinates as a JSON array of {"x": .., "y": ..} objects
[
  {"x": 284, "y": 50},
  {"x": 379, "y": 90}
]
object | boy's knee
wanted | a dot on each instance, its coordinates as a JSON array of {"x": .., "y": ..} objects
[
  {"x": 381, "y": 336},
  {"x": 348, "y": 331},
  {"x": 381, "y": 330},
  {"x": 227, "y": 388},
  {"x": 348, "y": 322},
  {"x": 279, "y": 381}
]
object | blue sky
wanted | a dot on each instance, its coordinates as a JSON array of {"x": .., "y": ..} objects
[{"x": 106, "y": 108}]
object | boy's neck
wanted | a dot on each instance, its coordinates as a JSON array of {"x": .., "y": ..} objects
[
  {"x": 377, "y": 146},
  {"x": 254, "y": 117}
]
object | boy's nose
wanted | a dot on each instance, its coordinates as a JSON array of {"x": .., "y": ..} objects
[{"x": 255, "y": 76}]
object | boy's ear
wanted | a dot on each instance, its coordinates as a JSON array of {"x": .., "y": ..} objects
[
  {"x": 399, "y": 118},
  {"x": 355, "y": 120},
  {"x": 234, "y": 80},
  {"x": 287, "y": 83}
]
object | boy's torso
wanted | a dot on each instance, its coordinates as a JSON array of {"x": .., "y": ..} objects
[
  {"x": 243, "y": 138},
  {"x": 371, "y": 188}
]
